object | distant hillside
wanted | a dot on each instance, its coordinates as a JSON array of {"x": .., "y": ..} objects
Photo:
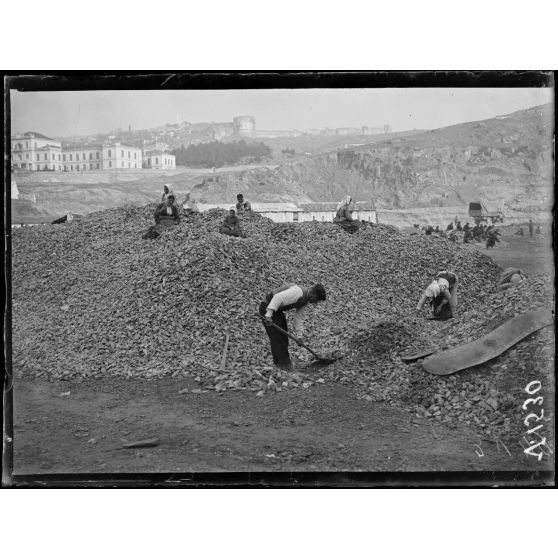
[
  {"x": 314, "y": 144},
  {"x": 504, "y": 159},
  {"x": 56, "y": 193},
  {"x": 507, "y": 158}
]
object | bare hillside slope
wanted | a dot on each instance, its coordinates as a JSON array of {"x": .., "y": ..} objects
[{"x": 503, "y": 159}]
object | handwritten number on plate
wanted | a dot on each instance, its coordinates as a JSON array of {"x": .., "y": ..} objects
[
  {"x": 539, "y": 455},
  {"x": 532, "y": 391},
  {"x": 538, "y": 400},
  {"x": 526, "y": 421}
]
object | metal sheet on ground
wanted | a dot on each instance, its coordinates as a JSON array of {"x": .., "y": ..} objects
[{"x": 489, "y": 346}]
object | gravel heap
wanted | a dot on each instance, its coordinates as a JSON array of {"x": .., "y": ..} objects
[
  {"x": 488, "y": 397},
  {"x": 91, "y": 298}
]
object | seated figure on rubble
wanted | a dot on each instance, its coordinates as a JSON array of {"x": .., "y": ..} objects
[
  {"x": 231, "y": 224},
  {"x": 442, "y": 295},
  {"x": 167, "y": 213},
  {"x": 242, "y": 205},
  {"x": 344, "y": 216}
]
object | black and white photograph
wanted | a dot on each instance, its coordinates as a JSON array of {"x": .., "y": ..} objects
[{"x": 315, "y": 276}]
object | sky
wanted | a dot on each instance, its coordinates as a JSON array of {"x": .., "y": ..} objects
[{"x": 68, "y": 113}]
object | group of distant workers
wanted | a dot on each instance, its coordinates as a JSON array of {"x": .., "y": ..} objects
[
  {"x": 168, "y": 212},
  {"x": 531, "y": 228},
  {"x": 478, "y": 233}
]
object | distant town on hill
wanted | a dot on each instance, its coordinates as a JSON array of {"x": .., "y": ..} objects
[{"x": 183, "y": 134}]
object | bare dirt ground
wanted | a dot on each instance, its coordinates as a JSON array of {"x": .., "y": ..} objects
[
  {"x": 324, "y": 428},
  {"x": 532, "y": 255}
]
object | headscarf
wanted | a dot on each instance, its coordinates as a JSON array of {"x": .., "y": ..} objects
[
  {"x": 437, "y": 287},
  {"x": 346, "y": 201},
  {"x": 433, "y": 290},
  {"x": 167, "y": 194}
]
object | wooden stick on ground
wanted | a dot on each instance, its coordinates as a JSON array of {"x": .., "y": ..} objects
[{"x": 224, "y": 357}]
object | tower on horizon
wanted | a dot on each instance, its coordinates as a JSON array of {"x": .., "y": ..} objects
[{"x": 244, "y": 125}]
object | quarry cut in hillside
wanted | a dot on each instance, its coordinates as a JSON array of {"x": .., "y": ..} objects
[
  {"x": 92, "y": 299},
  {"x": 504, "y": 160}
]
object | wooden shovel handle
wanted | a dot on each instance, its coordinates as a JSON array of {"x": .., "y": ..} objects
[{"x": 298, "y": 341}]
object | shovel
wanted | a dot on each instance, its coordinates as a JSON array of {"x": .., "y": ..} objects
[{"x": 319, "y": 359}]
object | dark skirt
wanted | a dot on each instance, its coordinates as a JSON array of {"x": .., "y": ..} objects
[
  {"x": 167, "y": 221},
  {"x": 444, "y": 313},
  {"x": 350, "y": 227},
  {"x": 231, "y": 232}
]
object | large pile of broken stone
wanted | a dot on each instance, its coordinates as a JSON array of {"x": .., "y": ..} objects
[{"x": 91, "y": 298}]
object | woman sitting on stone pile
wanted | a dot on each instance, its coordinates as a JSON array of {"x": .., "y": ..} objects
[
  {"x": 242, "y": 205},
  {"x": 442, "y": 294},
  {"x": 231, "y": 224},
  {"x": 167, "y": 213},
  {"x": 344, "y": 216}
]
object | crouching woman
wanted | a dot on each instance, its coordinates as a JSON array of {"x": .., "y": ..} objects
[{"x": 442, "y": 295}]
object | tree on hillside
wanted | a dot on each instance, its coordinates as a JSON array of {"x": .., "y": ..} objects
[{"x": 217, "y": 154}]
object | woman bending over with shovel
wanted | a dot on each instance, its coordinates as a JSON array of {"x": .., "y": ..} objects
[{"x": 287, "y": 297}]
